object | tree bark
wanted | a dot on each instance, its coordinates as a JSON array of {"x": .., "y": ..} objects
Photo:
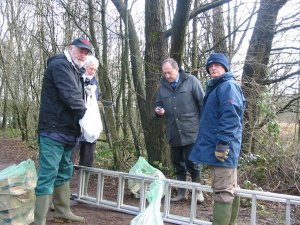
[
  {"x": 107, "y": 95},
  {"x": 136, "y": 65},
  {"x": 155, "y": 52},
  {"x": 255, "y": 67},
  {"x": 195, "y": 48},
  {"x": 219, "y": 40},
  {"x": 180, "y": 22},
  {"x": 105, "y": 87}
]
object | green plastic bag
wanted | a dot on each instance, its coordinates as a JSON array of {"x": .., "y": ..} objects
[
  {"x": 154, "y": 193},
  {"x": 17, "y": 197}
]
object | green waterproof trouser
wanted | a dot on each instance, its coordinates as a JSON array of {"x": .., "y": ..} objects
[{"x": 55, "y": 165}]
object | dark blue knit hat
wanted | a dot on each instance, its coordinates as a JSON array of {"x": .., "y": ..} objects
[{"x": 217, "y": 58}]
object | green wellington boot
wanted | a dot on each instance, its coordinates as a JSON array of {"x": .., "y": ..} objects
[
  {"x": 41, "y": 209},
  {"x": 235, "y": 210},
  {"x": 61, "y": 201},
  {"x": 221, "y": 213}
]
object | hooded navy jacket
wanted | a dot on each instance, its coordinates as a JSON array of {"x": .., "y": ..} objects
[{"x": 221, "y": 122}]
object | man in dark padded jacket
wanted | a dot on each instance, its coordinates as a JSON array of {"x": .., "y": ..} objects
[
  {"x": 62, "y": 105},
  {"x": 179, "y": 99}
]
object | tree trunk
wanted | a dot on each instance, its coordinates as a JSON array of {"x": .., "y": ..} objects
[
  {"x": 5, "y": 108},
  {"x": 298, "y": 106},
  {"x": 218, "y": 33},
  {"x": 180, "y": 22},
  {"x": 195, "y": 48},
  {"x": 255, "y": 67},
  {"x": 155, "y": 53},
  {"x": 124, "y": 73},
  {"x": 108, "y": 111},
  {"x": 105, "y": 87},
  {"x": 136, "y": 65}
]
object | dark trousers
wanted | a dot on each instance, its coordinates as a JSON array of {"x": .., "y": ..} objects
[
  {"x": 86, "y": 153},
  {"x": 181, "y": 162}
]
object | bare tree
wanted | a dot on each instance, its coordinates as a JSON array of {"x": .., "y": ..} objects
[
  {"x": 179, "y": 27},
  {"x": 130, "y": 67},
  {"x": 155, "y": 52},
  {"x": 218, "y": 32},
  {"x": 255, "y": 67}
]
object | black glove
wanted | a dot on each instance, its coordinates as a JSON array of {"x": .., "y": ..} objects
[{"x": 221, "y": 152}]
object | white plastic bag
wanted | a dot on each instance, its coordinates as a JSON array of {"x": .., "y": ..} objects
[{"x": 91, "y": 123}]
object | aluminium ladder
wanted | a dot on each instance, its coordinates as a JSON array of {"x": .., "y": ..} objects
[{"x": 144, "y": 181}]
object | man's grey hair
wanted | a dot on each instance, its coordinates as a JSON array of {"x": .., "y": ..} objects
[
  {"x": 172, "y": 62},
  {"x": 90, "y": 59}
]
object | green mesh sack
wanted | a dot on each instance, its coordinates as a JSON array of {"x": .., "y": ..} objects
[
  {"x": 154, "y": 192},
  {"x": 17, "y": 198}
]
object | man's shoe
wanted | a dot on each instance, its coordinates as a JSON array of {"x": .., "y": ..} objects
[
  {"x": 181, "y": 195},
  {"x": 199, "y": 197},
  {"x": 73, "y": 196}
]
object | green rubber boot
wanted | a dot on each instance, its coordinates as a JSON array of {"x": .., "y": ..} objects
[
  {"x": 41, "y": 209},
  {"x": 221, "y": 213},
  {"x": 235, "y": 210},
  {"x": 61, "y": 201}
]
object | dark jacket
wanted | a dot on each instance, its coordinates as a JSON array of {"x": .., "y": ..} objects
[
  {"x": 92, "y": 81},
  {"x": 221, "y": 122},
  {"x": 182, "y": 108},
  {"x": 62, "y": 103}
]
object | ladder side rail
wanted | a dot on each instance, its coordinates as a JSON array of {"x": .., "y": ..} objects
[
  {"x": 269, "y": 199},
  {"x": 272, "y": 197},
  {"x": 182, "y": 220},
  {"x": 112, "y": 206},
  {"x": 268, "y": 194}
]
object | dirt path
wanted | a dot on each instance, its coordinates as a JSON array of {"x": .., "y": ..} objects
[{"x": 14, "y": 152}]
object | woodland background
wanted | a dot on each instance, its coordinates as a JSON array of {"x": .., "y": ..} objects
[{"x": 131, "y": 39}]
